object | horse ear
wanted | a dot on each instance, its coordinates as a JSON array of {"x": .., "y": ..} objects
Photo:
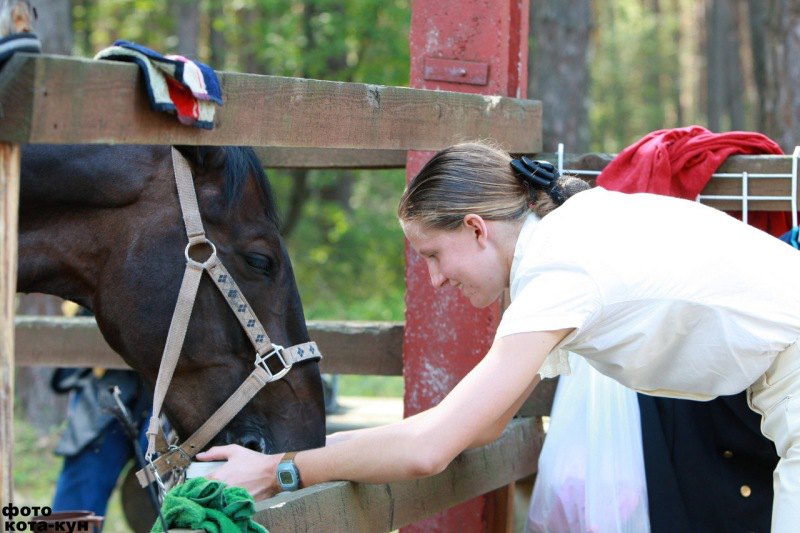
[
  {"x": 204, "y": 156},
  {"x": 213, "y": 156},
  {"x": 191, "y": 153}
]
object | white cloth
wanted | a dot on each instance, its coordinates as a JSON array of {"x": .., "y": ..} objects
[
  {"x": 776, "y": 397},
  {"x": 667, "y": 296}
]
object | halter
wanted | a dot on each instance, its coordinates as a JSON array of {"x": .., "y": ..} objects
[{"x": 272, "y": 361}]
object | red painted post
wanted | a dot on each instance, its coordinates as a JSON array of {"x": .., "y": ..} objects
[{"x": 473, "y": 46}]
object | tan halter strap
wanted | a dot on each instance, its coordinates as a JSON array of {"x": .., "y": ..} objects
[{"x": 272, "y": 361}]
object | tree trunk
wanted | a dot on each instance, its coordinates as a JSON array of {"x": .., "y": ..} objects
[
  {"x": 187, "y": 17},
  {"x": 558, "y": 74},
  {"x": 781, "y": 110},
  {"x": 299, "y": 195},
  {"x": 82, "y": 23},
  {"x": 653, "y": 91},
  {"x": 757, "y": 18},
  {"x": 674, "y": 69},
  {"x": 251, "y": 21},
  {"x": 715, "y": 54},
  {"x": 54, "y": 26},
  {"x": 724, "y": 66},
  {"x": 341, "y": 190},
  {"x": 619, "y": 86},
  {"x": 216, "y": 38},
  {"x": 734, "y": 73}
]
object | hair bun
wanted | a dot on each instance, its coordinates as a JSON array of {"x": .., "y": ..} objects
[{"x": 570, "y": 186}]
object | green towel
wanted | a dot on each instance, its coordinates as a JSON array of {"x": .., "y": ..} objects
[{"x": 209, "y": 505}]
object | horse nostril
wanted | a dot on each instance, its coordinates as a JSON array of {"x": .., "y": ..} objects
[{"x": 253, "y": 442}]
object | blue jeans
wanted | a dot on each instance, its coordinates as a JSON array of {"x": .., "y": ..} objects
[{"x": 88, "y": 478}]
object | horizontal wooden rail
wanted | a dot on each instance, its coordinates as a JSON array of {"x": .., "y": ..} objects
[
  {"x": 370, "y": 348},
  {"x": 593, "y": 162},
  {"x": 756, "y": 166},
  {"x": 343, "y": 506},
  {"x": 59, "y": 99},
  {"x": 369, "y": 508},
  {"x": 363, "y": 348},
  {"x": 276, "y": 157}
]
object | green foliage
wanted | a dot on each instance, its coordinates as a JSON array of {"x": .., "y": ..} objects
[
  {"x": 377, "y": 386},
  {"x": 643, "y": 70},
  {"x": 33, "y": 484},
  {"x": 36, "y": 469},
  {"x": 343, "y": 40},
  {"x": 621, "y": 61},
  {"x": 348, "y": 259},
  {"x": 347, "y": 254}
]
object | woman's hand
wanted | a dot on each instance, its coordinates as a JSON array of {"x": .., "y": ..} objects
[{"x": 245, "y": 468}]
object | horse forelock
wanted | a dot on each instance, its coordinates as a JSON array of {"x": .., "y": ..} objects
[{"x": 240, "y": 162}]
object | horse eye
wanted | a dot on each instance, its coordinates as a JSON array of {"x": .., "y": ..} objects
[{"x": 260, "y": 262}]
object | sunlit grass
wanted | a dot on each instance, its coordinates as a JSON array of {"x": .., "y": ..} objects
[
  {"x": 36, "y": 469},
  {"x": 379, "y": 386}
]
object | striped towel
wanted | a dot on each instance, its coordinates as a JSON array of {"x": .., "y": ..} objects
[
  {"x": 18, "y": 42},
  {"x": 175, "y": 84}
]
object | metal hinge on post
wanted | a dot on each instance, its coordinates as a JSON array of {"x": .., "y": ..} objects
[{"x": 456, "y": 71}]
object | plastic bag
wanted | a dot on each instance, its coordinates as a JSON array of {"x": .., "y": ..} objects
[{"x": 591, "y": 469}]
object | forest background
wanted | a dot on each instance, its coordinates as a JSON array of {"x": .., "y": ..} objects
[{"x": 608, "y": 72}]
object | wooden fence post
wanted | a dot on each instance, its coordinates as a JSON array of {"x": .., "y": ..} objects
[
  {"x": 9, "y": 199},
  {"x": 477, "y": 47}
]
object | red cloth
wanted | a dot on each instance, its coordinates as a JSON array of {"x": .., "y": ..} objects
[
  {"x": 679, "y": 162},
  {"x": 186, "y": 106}
]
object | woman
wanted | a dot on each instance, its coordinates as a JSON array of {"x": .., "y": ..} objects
[{"x": 667, "y": 296}]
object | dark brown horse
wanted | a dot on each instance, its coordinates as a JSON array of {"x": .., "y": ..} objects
[{"x": 102, "y": 226}]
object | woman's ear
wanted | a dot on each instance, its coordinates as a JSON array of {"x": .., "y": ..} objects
[{"x": 478, "y": 227}]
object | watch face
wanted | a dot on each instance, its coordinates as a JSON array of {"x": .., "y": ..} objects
[{"x": 286, "y": 478}]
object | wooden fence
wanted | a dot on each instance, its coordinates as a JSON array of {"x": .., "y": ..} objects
[
  {"x": 362, "y": 348},
  {"x": 373, "y": 348},
  {"x": 53, "y": 99}
]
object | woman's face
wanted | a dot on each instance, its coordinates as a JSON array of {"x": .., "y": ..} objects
[{"x": 466, "y": 258}]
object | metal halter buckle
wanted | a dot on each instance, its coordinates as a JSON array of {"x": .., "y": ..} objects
[
  {"x": 277, "y": 351},
  {"x": 162, "y": 489}
]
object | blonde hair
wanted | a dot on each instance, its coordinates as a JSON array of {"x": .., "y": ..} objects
[{"x": 474, "y": 177}]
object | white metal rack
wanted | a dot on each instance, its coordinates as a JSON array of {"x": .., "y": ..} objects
[{"x": 745, "y": 197}]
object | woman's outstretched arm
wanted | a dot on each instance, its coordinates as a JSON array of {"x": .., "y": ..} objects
[{"x": 475, "y": 411}]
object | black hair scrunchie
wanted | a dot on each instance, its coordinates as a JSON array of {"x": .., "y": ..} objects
[{"x": 539, "y": 175}]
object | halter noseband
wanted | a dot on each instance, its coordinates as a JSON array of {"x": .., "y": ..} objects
[{"x": 267, "y": 354}]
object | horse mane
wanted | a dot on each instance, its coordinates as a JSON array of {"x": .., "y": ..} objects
[{"x": 239, "y": 163}]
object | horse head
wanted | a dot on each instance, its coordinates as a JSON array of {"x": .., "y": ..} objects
[{"x": 102, "y": 226}]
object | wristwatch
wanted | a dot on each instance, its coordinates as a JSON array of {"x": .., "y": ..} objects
[{"x": 288, "y": 475}]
